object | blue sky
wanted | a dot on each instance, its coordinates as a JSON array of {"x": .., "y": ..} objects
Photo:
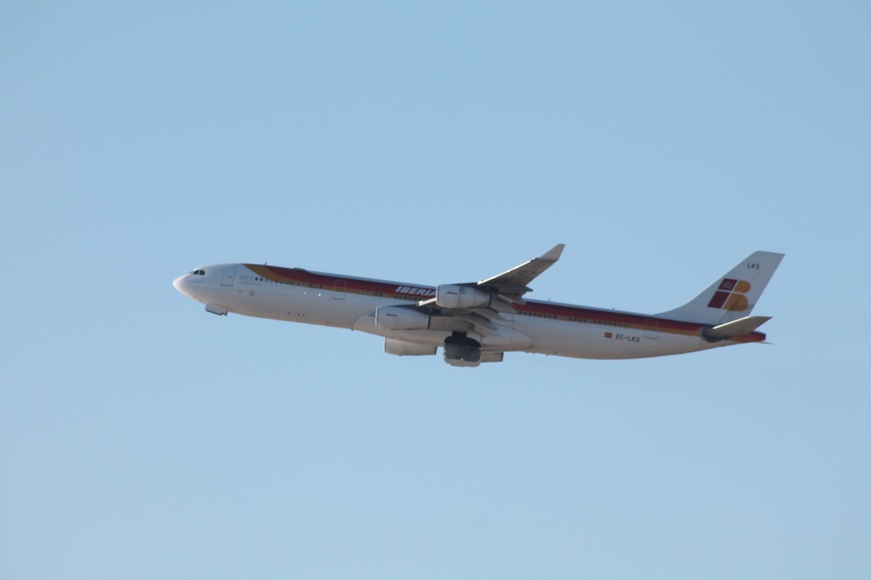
[{"x": 430, "y": 142}]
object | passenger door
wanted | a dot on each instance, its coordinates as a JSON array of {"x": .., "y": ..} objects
[{"x": 229, "y": 276}]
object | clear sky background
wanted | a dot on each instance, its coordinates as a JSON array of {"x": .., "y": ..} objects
[{"x": 142, "y": 438}]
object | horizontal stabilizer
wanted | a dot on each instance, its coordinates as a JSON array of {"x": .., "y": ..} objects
[{"x": 740, "y": 327}]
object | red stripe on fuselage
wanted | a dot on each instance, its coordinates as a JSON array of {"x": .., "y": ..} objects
[
  {"x": 416, "y": 292},
  {"x": 382, "y": 288}
]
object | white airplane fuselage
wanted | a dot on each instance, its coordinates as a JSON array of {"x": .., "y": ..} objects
[{"x": 297, "y": 295}]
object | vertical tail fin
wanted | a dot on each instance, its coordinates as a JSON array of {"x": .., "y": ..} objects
[{"x": 731, "y": 296}]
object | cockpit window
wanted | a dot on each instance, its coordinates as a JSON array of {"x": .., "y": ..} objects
[{"x": 199, "y": 272}]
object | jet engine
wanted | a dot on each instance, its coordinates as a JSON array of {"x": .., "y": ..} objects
[
  {"x": 406, "y": 348},
  {"x": 456, "y": 296},
  {"x": 397, "y": 318}
]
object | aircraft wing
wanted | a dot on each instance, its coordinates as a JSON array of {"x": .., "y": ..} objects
[
  {"x": 513, "y": 284},
  {"x": 495, "y": 294}
]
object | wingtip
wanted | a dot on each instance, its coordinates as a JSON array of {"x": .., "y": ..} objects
[{"x": 554, "y": 253}]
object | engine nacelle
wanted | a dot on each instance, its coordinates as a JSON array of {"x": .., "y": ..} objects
[
  {"x": 405, "y": 348},
  {"x": 396, "y": 318},
  {"x": 455, "y": 296}
]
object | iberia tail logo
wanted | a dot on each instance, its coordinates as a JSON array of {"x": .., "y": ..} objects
[{"x": 731, "y": 295}]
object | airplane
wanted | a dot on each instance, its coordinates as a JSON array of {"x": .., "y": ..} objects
[{"x": 478, "y": 322}]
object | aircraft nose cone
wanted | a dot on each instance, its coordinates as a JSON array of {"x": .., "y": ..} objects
[{"x": 179, "y": 284}]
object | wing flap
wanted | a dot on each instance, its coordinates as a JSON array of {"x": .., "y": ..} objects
[{"x": 481, "y": 324}]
